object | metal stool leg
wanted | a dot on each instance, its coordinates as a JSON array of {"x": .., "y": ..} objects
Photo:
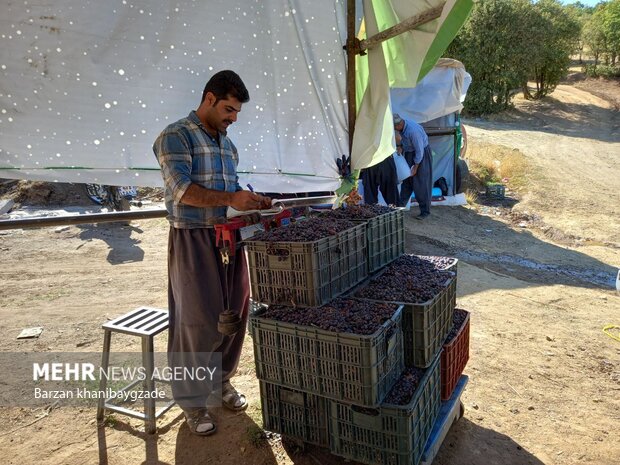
[
  {"x": 105, "y": 362},
  {"x": 148, "y": 361}
]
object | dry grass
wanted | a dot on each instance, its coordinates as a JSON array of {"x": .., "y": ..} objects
[
  {"x": 471, "y": 195},
  {"x": 496, "y": 163}
]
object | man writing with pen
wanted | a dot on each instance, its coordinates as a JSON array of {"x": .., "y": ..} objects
[{"x": 199, "y": 168}]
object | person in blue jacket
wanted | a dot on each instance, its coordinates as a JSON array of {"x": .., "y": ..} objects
[{"x": 420, "y": 157}]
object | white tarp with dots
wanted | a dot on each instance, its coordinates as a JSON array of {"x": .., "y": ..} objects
[{"x": 86, "y": 86}]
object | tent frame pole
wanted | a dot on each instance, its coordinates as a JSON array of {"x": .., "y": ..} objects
[{"x": 352, "y": 49}]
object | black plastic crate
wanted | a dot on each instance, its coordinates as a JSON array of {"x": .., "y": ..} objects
[
  {"x": 392, "y": 434},
  {"x": 351, "y": 368},
  {"x": 294, "y": 413},
  {"x": 307, "y": 273}
]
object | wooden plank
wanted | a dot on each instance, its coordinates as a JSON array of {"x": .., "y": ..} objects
[{"x": 404, "y": 26}]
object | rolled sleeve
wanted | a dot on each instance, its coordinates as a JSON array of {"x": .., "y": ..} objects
[{"x": 174, "y": 156}]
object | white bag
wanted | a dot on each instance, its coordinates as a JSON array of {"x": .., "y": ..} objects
[{"x": 403, "y": 170}]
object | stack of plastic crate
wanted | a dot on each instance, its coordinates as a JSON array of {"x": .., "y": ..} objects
[
  {"x": 329, "y": 388},
  {"x": 303, "y": 369},
  {"x": 299, "y": 367},
  {"x": 397, "y": 434}
]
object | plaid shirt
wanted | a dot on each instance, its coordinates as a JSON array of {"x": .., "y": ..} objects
[{"x": 188, "y": 154}]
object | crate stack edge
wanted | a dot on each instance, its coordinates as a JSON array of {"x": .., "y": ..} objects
[{"x": 328, "y": 388}]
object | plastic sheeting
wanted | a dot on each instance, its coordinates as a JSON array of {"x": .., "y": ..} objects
[
  {"x": 440, "y": 93},
  {"x": 87, "y": 86}
]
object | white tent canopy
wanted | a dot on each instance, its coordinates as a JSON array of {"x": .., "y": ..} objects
[
  {"x": 87, "y": 86},
  {"x": 441, "y": 92}
]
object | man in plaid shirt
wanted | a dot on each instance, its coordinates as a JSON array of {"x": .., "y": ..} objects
[{"x": 199, "y": 167}]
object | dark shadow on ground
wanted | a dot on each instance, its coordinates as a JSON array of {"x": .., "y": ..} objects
[
  {"x": 238, "y": 440},
  {"x": 466, "y": 443},
  {"x": 150, "y": 440},
  {"x": 537, "y": 117},
  {"x": 123, "y": 247},
  {"x": 494, "y": 245},
  {"x": 551, "y": 115},
  {"x": 472, "y": 444}
]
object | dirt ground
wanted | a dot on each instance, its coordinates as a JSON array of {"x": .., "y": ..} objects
[{"x": 537, "y": 274}]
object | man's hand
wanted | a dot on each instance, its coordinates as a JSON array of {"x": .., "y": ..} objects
[
  {"x": 414, "y": 170},
  {"x": 265, "y": 202},
  {"x": 246, "y": 200}
]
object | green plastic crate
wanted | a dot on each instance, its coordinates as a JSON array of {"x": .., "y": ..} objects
[
  {"x": 495, "y": 191},
  {"x": 307, "y": 273},
  {"x": 294, "y": 413},
  {"x": 452, "y": 266},
  {"x": 392, "y": 434},
  {"x": 352, "y": 368},
  {"x": 385, "y": 235},
  {"x": 425, "y": 325}
]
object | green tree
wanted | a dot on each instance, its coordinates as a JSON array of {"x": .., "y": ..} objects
[
  {"x": 557, "y": 39},
  {"x": 611, "y": 28},
  {"x": 593, "y": 36},
  {"x": 582, "y": 14},
  {"x": 493, "y": 46}
]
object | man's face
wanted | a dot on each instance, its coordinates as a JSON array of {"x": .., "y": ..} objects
[
  {"x": 399, "y": 127},
  {"x": 222, "y": 114}
]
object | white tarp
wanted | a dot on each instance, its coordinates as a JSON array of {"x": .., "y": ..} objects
[
  {"x": 440, "y": 93},
  {"x": 88, "y": 85}
]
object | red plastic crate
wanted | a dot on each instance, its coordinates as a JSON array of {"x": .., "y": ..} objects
[{"x": 454, "y": 357}]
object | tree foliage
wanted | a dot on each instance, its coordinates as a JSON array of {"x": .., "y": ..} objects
[
  {"x": 556, "y": 40},
  {"x": 601, "y": 33},
  {"x": 491, "y": 45},
  {"x": 611, "y": 27},
  {"x": 505, "y": 43}
]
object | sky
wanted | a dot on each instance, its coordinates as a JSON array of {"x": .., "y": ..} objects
[{"x": 585, "y": 2}]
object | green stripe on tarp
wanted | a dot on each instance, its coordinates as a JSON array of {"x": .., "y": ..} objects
[
  {"x": 75, "y": 168},
  {"x": 448, "y": 31}
]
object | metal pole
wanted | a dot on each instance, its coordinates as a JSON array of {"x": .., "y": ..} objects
[
  {"x": 45, "y": 222},
  {"x": 351, "y": 53}
]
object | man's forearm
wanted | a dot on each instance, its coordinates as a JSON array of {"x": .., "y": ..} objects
[{"x": 198, "y": 196}]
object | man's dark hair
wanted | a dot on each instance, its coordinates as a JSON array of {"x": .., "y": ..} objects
[{"x": 225, "y": 83}]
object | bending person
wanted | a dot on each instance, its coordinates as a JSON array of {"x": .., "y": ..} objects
[{"x": 420, "y": 157}]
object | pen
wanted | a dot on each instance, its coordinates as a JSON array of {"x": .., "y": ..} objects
[{"x": 251, "y": 188}]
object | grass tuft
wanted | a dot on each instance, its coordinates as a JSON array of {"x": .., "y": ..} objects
[{"x": 493, "y": 163}]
